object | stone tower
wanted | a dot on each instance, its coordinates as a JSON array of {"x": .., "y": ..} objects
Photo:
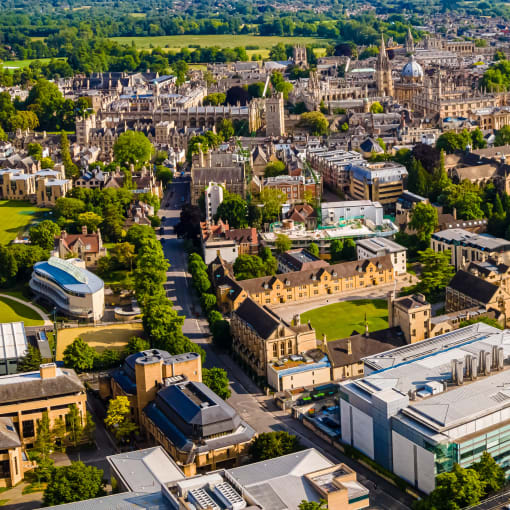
[
  {"x": 383, "y": 78},
  {"x": 275, "y": 120},
  {"x": 84, "y": 125},
  {"x": 299, "y": 55},
  {"x": 409, "y": 44}
]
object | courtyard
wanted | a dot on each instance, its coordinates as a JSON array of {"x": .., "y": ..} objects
[{"x": 339, "y": 320}]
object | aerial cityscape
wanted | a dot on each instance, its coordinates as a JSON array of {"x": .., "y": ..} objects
[{"x": 254, "y": 255}]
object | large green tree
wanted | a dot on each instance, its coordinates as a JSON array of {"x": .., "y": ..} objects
[
  {"x": 491, "y": 474},
  {"x": 43, "y": 234},
  {"x": 79, "y": 355},
  {"x": 436, "y": 272},
  {"x": 217, "y": 379},
  {"x": 118, "y": 419},
  {"x": 132, "y": 147},
  {"x": 424, "y": 220},
  {"x": 315, "y": 123},
  {"x": 76, "y": 482},
  {"x": 31, "y": 361},
  {"x": 233, "y": 210},
  {"x": 273, "y": 444},
  {"x": 249, "y": 266}
]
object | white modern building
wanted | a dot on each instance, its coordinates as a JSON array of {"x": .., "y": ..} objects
[
  {"x": 68, "y": 286},
  {"x": 379, "y": 246},
  {"x": 13, "y": 346},
  {"x": 213, "y": 199},
  {"x": 423, "y": 407},
  {"x": 334, "y": 213}
]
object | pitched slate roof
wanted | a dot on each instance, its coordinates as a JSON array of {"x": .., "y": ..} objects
[
  {"x": 8, "y": 436},
  {"x": 362, "y": 345},
  {"x": 335, "y": 272},
  {"x": 20, "y": 387},
  {"x": 263, "y": 322},
  {"x": 473, "y": 287}
]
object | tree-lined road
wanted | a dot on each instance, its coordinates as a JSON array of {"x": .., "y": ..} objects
[{"x": 247, "y": 398}]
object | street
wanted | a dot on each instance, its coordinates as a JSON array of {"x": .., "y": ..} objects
[{"x": 247, "y": 398}]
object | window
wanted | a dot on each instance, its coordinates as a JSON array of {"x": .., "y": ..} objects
[
  {"x": 289, "y": 346},
  {"x": 282, "y": 349},
  {"x": 275, "y": 350}
]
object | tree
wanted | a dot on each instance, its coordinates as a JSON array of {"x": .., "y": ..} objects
[
  {"x": 44, "y": 233},
  {"x": 486, "y": 320},
  {"x": 217, "y": 379},
  {"x": 280, "y": 85},
  {"x": 424, "y": 221},
  {"x": 76, "y": 482},
  {"x": 132, "y": 147},
  {"x": 336, "y": 249},
  {"x": 436, "y": 272},
  {"x": 269, "y": 445},
  {"x": 89, "y": 429},
  {"x": 68, "y": 207},
  {"x": 74, "y": 424},
  {"x": 270, "y": 262},
  {"x": 8, "y": 265},
  {"x": 214, "y": 99},
  {"x": 349, "y": 250},
  {"x": 236, "y": 95},
  {"x": 376, "y": 107},
  {"x": 79, "y": 355},
  {"x": 455, "y": 490},
  {"x": 233, "y": 210},
  {"x": 274, "y": 169},
  {"x": 282, "y": 243},
  {"x": 418, "y": 178},
  {"x": 451, "y": 141},
  {"x": 477, "y": 139},
  {"x": 46, "y": 101},
  {"x": 313, "y": 248},
  {"x": 225, "y": 129},
  {"x": 491, "y": 474},
  {"x": 118, "y": 419},
  {"x": 465, "y": 197},
  {"x": 31, "y": 362},
  {"x": 502, "y": 136},
  {"x": 273, "y": 199},
  {"x": 137, "y": 344},
  {"x": 313, "y": 505},
  {"x": 164, "y": 174},
  {"x": 315, "y": 122},
  {"x": 70, "y": 168},
  {"x": 43, "y": 443},
  {"x": 256, "y": 89},
  {"x": 35, "y": 150},
  {"x": 90, "y": 219},
  {"x": 249, "y": 266}
]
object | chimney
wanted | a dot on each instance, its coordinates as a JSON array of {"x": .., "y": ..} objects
[
  {"x": 84, "y": 230},
  {"x": 63, "y": 234},
  {"x": 454, "y": 212},
  {"x": 48, "y": 370},
  {"x": 349, "y": 347},
  {"x": 297, "y": 320}
]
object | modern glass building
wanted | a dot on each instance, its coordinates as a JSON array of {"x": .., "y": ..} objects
[{"x": 425, "y": 406}]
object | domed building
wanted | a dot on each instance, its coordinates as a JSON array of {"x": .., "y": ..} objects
[
  {"x": 410, "y": 83},
  {"x": 412, "y": 72}
]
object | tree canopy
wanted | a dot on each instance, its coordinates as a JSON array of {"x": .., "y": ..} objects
[
  {"x": 273, "y": 444},
  {"x": 217, "y": 379},
  {"x": 132, "y": 147}
]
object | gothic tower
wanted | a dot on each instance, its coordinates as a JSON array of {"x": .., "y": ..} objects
[
  {"x": 409, "y": 44},
  {"x": 275, "y": 120},
  {"x": 383, "y": 78}
]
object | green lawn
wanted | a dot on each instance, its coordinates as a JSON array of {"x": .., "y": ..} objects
[
  {"x": 176, "y": 42},
  {"x": 16, "y": 216},
  {"x": 12, "y": 311},
  {"x": 339, "y": 320},
  {"x": 17, "y": 64}
]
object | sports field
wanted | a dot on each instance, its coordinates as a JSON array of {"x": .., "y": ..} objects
[
  {"x": 12, "y": 311},
  {"x": 113, "y": 336},
  {"x": 339, "y": 320},
  {"x": 16, "y": 216},
  {"x": 263, "y": 43},
  {"x": 21, "y": 64}
]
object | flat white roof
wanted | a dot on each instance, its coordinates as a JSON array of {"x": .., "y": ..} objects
[{"x": 13, "y": 341}]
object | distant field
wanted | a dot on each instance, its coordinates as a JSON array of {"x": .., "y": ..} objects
[
  {"x": 20, "y": 64},
  {"x": 16, "y": 216},
  {"x": 12, "y": 311},
  {"x": 176, "y": 42}
]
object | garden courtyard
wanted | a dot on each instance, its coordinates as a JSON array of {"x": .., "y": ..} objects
[{"x": 339, "y": 320}]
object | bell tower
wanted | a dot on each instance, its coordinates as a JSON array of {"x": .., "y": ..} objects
[{"x": 384, "y": 80}]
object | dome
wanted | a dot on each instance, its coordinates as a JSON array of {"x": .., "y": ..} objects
[{"x": 412, "y": 69}]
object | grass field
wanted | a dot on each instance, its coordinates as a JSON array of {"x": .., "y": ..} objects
[
  {"x": 17, "y": 215},
  {"x": 339, "y": 320},
  {"x": 21, "y": 64},
  {"x": 12, "y": 311},
  {"x": 176, "y": 42},
  {"x": 114, "y": 336}
]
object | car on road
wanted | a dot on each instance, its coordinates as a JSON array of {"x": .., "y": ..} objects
[
  {"x": 163, "y": 218},
  {"x": 161, "y": 230}
]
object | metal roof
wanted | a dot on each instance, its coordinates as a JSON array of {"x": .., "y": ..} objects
[{"x": 13, "y": 340}]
